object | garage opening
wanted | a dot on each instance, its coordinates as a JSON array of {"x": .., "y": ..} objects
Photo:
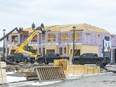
[
  {"x": 50, "y": 51},
  {"x": 12, "y": 51},
  {"x": 60, "y": 51},
  {"x": 114, "y": 55},
  {"x": 77, "y": 52},
  {"x": 43, "y": 51}
]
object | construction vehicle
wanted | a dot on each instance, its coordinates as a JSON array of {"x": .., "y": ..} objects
[
  {"x": 6, "y": 35},
  {"x": 24, "y": 48}
]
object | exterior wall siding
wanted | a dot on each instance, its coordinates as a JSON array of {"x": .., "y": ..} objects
[
  {"x": 92, "y": 49},
  {"x": 10, "y": 39},
  {"x": 100, "y": 51},
  {"x": 91, "y": 40},
  {"x": 83, "y": 37},
  {"x": 113, "y": 40}
]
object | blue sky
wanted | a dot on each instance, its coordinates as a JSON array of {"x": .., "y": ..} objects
[{"x": 21, "y": 13}]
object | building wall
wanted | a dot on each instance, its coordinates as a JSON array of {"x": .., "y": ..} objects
[
  {"x": 51, "y": 47},
  {"x": 90, "y": 42},
  {"x": 89, "y": 49},
  {"x": 82, "y": 48}
]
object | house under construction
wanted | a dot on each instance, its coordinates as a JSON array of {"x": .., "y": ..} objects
[{"x": 64, "y": 39}]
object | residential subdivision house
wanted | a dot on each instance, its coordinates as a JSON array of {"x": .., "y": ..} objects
[{"x": 60, "y": 39}]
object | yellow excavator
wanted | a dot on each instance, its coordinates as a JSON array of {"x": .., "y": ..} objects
[{"x": 24, "y": 48}]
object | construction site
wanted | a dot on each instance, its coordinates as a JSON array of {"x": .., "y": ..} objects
[{"x": 77, "y": 55}]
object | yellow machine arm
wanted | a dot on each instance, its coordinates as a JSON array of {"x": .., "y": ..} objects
[
  {"x": 6, "y": 35},
  {"x": 34, "y": 33},
  {"x": 23, "y": 48}
]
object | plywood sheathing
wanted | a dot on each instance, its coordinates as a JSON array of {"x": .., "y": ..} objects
[
  {"x": 84, "y": 27},
  {"x": 68, "y": 27}
]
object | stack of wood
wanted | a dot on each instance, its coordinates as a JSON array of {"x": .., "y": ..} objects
[
  {"x": 3, "y": 78},
  {"x": 61, "y": 62},
  {"x": 81, "y": 70},
  {"x": 76, "y": 69}
]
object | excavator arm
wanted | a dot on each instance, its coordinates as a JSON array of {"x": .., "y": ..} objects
[
  {"x": 18, "y": 30},
  {"x": 34, "y": 33},
  {"x": 24, "y": 48}
]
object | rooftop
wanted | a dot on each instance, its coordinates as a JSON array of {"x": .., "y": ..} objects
[
  {"x": 82, "y": 27},
  {"x": 69, "y": 27}
]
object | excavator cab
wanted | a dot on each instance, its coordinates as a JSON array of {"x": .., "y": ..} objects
[
  {"x": 41, "y": 28},
  {"x": 30, "y": 49}
]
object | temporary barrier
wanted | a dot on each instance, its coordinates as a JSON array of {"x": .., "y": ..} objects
[{"x": 47, "y": 73}]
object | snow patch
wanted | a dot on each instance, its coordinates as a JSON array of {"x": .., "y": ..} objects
[
  {"x": 31, "y": 83},
  {"x": 44, "y": 83},
  {"x": 10, "y": 72},
  {"x": 15, "y": 79}
]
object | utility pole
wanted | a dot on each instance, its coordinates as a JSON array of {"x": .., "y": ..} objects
[
  {"x": 74, "y": 28},
  {"x": 4, "y": 45},
  {"x": 73, "y": 48}
]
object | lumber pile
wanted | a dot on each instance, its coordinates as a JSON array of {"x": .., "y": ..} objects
[
  {"x": 3, "y": 78},
  {"x": 76, "y": 69}
]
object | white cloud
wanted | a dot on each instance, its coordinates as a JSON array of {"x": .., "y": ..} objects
[{"x": 102, "y": 3}]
